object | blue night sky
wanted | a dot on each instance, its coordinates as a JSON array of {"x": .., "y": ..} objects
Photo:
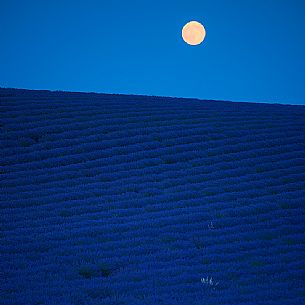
[{"x": 254, "y": 49}]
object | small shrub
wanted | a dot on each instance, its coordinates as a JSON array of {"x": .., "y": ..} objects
[
  {"x": 205, "y": 261},
  {"x": 257, "y": 264},
  {"x": 259, "y": 169},
  {"x": 35, "y": 138},
  {"x": 105, "y": 271},
  {"x": 268, "y": 236},
  {"x": 288, "y": 180},
  {"x": 86, "y": 271},
  {"x": 198, "y": 244},
  {"x": 233, "y": 276},
  {"x": 157, "y": 139},
  {"x": 168, "y": 239},
  {"x": 285, "y": 205},
  {"x": 169, "y": 161},
  {"x": 212, "y": 153},
  {"x": 104, "y": 179},
  {"x": 26, "y": 142},
  {"x": 291, "y": 241},
  {"x": 210, "y": 192},
  {"x": 65, "y": 213},
  {"x": 274, "y": 192}
]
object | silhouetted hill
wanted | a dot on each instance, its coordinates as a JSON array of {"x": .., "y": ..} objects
[{"x": 137, "y": 200}]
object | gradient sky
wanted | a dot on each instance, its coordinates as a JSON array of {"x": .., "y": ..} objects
[{"x": 254, "y": 49}]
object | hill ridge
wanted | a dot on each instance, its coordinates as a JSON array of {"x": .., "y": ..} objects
[{"x": 139, "y": 200}]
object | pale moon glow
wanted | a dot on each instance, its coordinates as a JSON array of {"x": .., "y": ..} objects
[{"x": 193, "y": 33}]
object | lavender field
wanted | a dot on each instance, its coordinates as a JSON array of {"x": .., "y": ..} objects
[{"x": 137, "y": 200}]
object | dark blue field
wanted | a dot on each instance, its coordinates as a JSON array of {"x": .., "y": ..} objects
[{"x": 136, "y": 200}]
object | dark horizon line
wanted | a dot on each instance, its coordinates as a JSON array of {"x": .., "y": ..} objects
[{"x": 144, "y": 95}]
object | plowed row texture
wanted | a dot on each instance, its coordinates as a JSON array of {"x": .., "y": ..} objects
[{"x": 137, "y": 200}]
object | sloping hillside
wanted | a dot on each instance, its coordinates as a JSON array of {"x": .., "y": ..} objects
[{"x": 134, "y": 200}]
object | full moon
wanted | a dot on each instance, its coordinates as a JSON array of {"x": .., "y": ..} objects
[{"x": 193, "y": 33}]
